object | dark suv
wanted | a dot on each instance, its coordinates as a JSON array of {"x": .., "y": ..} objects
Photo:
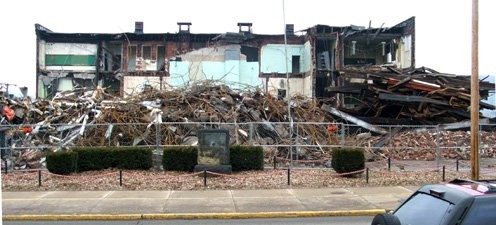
[{"x": 459, "y": 202}]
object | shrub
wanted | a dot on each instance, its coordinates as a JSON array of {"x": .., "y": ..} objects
[
  {"x": 246, "y": 158},
  {"x": 98, "y": 158},
  {"x": 345, "y": 160},
  {"x": 132, "y": 158},
  {"x": 62, "y": 162},
  {"x": 185, "y": 158},
  {"x": 181, "y": 158}
]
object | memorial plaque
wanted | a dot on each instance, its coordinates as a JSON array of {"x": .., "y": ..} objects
[{"x": 213, "y": 151}]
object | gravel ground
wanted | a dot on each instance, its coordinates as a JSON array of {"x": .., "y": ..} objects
[{"x": 267, "y": 179}]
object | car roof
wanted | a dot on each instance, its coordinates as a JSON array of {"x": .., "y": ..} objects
[
  {"x": 474, "y": 187},
  {"x": 460, "y": 190}
]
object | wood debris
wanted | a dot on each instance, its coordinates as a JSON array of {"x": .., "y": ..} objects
[
  {"x": 87, "y": 117},
  {"x": 93, "y": 118},
  {"x": 385, "y": 95}
]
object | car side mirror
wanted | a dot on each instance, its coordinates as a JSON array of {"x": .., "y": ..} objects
[{"x": 386, "y": 219}]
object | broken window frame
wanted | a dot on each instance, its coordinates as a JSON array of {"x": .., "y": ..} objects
[{"x": 161, "y": 58}]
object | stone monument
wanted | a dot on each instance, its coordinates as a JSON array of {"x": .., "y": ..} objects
[{"x": 213, "y": 151}]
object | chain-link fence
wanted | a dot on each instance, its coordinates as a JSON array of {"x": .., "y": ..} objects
[{"x": 306, "y": 143}]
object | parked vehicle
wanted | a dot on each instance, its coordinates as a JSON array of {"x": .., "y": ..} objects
[{"x": 459, "y": 202}]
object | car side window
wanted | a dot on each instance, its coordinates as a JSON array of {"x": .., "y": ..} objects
[{"x": 481, "y": 212}]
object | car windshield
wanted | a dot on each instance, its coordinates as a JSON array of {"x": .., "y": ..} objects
[
  {"x": 482, "y": 212},
  {"x": 423, "y": 209}
]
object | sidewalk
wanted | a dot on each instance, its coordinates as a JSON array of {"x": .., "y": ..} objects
[{"x": 109, "y": 205}]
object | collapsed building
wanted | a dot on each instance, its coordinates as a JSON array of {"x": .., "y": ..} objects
[
  {"x": 138, "y": 88},
  {"x": 126, "y": 63},
  {"x": 366, "y": 72}
]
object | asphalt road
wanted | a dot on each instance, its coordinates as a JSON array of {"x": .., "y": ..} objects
[{"x": 353, "y": 220}]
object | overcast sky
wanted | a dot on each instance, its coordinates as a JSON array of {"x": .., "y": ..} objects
[{"x": 443, "y": 27}]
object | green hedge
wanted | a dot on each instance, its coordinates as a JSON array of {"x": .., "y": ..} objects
[
  {"x": 98, "y": 158},
  {"x": 346, "y": 160},
  {"x": 246, "y": 158},
  {"x": 62, "y": 162},
  {"x": 185, "y": 158},
  {"x": 180, "y": 158}
]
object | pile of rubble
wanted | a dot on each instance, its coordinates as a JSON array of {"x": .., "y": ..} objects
[
  {"x": 422, "y": 96},
  {"x": 94, "y": 118},
  {"x": 425, "y": 145}
]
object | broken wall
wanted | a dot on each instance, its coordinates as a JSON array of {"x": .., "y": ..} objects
[
  {"x": 273, "y": 58},
  {"x": 366, "y": 52},
  {"x": 77, "y": 57},
  {"x": 111, "y": 56},
  {"x": 145, "y": 56},
  {"x": 404, "y": 55},
  {"x": 273, "y": 66},
  {"x": 65, "y": 66},
  {"x": 135, "y": 84},
  {"x": 363, "y": 52},
  {"x": 297, "y": 86},
  {"x": 222, "y": 63}
]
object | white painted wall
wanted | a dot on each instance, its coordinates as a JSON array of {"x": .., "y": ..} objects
[
  {"x": 297, "y": 86},
  {"x": 48, "y": 48},
  {"x": 405, "y": 52},
  {"x": 41, "y": 54},
  {"x": 70, "y": 49},
  {"x": 134, "y": 85},
  {"x": 71, "y": 68}
]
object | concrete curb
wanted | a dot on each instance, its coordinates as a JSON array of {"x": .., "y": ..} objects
[
  {"x": 73, "y": 217},
  {"x": 166, "y": 216}
]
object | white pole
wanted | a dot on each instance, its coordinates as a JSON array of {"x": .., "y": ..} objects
[{"x": 288, "y": 95}]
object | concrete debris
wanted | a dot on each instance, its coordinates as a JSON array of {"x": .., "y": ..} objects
[{"x": 94, "y": 118}]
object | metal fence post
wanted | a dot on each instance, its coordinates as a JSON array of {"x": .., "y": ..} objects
[
  {"x": 157, "y": 131},
  {"x": 342, "y": 134},
  {"x": 289, "y": 176},
  {"x": 438, "y": 150},
  {"x": 389, "y": 163},
  {"x": 389, "y": 134},
  {"x": 39, "y": 178},
  {"x": 6, "y": 165},
  {"x": 204, "y": 178},
  {"x": 275, "y": 162},
  {"x": 444, "y": 173},
  {"x": 297, "y": 144},
  {"x": 250, "y": 140},
  {"x": 120, "y": 178},
  {"x": 367, "y": 175},
  {"x": 60, "y": 138}
]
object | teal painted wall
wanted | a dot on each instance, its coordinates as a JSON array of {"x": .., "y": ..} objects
[
  {"x": 236, "y": 73},
  {"x": 212, "y": 70},
  {"x": 179, "y": 73},
  {"x": 249, "y": 74},
  {"x": 273, "y": 58}
]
